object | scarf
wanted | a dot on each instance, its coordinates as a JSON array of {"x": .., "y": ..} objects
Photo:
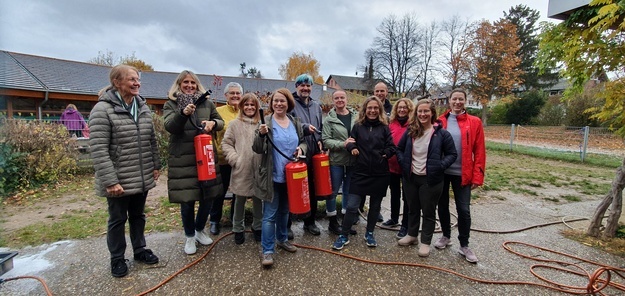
[{"x": 402, "y": 120}]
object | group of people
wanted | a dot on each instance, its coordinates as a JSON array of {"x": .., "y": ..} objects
[{"x": 402, "y": 145}]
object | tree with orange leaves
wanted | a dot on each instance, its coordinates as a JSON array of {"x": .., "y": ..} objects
[
  {"x": 495, "y": 64},
  {"x": 301, "y": 63}
]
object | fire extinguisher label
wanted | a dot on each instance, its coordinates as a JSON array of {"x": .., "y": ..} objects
[
  {"x": 305, "y": 193},
  {"x": 208, "y": 152},
  {"x": 325, "y": 163},
  {"x": 300, "y": 175}
]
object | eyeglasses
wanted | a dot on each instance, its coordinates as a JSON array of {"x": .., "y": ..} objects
[
  {"x": 234, "y": 93},
  {"x": 402, "y": 108},
  {"x": 134, "y": 80}
]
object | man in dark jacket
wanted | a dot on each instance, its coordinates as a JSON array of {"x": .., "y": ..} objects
[
  {"x": 381, "y": 91},
  {"x": 310, "y": 114}
]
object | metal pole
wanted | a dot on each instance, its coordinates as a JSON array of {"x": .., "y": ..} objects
[
  {"x": 511, "y": 137},
  {"x": 585, "y": 145}
]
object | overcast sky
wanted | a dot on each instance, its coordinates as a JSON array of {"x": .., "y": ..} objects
[{"x": 214, "y": 37}]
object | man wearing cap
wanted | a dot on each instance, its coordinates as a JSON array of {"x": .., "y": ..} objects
[{"x": 310, "y": 114}]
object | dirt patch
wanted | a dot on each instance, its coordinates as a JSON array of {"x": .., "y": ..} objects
[
  {"x": 51, "y": 205},
  {"x": 558, "y": 138},
  {"x": 27, "y": 208}
]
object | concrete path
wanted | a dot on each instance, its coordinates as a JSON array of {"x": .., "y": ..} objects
[{"x": 81, "y": 267}]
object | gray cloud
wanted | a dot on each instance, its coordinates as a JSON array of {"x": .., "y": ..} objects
[{"x": 214, "y": 37}]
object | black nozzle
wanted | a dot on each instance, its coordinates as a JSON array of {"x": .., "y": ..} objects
[{"x": 203, "y": 98}]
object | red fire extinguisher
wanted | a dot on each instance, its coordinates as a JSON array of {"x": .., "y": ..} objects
[
  {"x": 297, "y": 187},
  {"x": 205, "y": 157},
  {"x": 323, "y": 182}
]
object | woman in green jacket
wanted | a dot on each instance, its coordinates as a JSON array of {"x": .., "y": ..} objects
[{"x": 336, "y": 128}]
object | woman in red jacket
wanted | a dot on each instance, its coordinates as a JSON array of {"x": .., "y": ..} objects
[
  {"x": 465, "y": 174},
  {"x": 399, "y": 123}
]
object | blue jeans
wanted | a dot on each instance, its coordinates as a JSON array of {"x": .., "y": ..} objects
[
  {"x": 275, "y": 217},
  {"x": 190, "y": 223},
  {"x": 462, "y": 196},
  {"x": 339, "y": 175}
]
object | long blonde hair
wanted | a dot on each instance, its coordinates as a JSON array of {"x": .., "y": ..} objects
[
  {"x": 362, "y": 114},
  {"x": 409, "y": 104},
  {"x": 175, "y": 87},
  {"x": 415, "y": 127}
]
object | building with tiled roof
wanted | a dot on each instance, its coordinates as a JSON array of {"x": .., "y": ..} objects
[
  {"x": 39, "y": 87},
  {"x": 357, "y": 85}
]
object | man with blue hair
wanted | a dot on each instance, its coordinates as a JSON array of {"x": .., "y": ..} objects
[{"x": 310, "y": 114}]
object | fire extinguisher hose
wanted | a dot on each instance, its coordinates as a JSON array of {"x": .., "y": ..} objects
[
  {"x": 262, "y": 120},
  {"x": 197, "y": 102}
]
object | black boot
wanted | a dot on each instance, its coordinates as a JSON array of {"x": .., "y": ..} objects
[{"x": 334, "y": 226}]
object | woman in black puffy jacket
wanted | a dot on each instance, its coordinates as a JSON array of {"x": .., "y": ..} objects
[
  {"x": 424, "y": 152},
  {"x": 372, "y": 143}
]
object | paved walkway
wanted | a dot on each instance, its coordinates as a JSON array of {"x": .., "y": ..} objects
[{"x": 81, "y": 267}]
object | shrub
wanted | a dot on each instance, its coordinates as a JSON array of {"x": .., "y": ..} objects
[
  {"x": 45, "y": 151},
  {"x": 552, "y": 113},
  {"x": 162, "y": 138},
  {"x": 11, "y": 170},
  {"x": 526, "y": 108},
  {"x": 475, "y": 112},
  {"x": 577, "y": 105},
  {"x": 497, "y": 113}
]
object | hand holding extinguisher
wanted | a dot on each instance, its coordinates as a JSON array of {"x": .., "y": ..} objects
[
  {"x": 206, "y": 125},
  {"x": 263, "y": 130},
  {"x": 296, "y": 175},
  {"x": 203, "y": 142}
]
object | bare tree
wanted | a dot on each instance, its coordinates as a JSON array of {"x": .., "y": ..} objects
[
  {"x": 456, "y": 41},
  {"x": 249, "y": 73},
  {"x": 430, "y": 36},
  {"x": 108, "y": 59},
  {"x": 104, "y": 58},
  {"x": 396, "y": 52}
]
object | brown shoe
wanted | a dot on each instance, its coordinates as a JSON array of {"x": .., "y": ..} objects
[
  {"x": 266, "y": 260},
  {"x": 287, "y": 246}
]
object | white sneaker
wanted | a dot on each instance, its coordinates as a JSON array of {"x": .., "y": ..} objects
[
  {"x": 203, "y": 238},
  {"x": 189, "y": 246}
]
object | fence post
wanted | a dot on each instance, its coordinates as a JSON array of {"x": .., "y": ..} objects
[
  {"x": 585, "y": 145},
  {"x": 511, "y": 137}
]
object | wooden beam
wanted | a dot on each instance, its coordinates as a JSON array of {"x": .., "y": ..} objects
[{"x": 22, "y": 93}]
